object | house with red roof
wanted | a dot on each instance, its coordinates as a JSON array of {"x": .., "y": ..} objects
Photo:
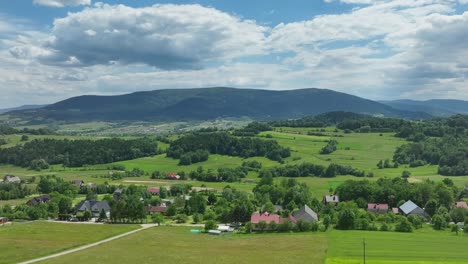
[
  {"x": 377, "y": 208},
  {"x": 268, "y": 218},
  {"x": 461, "y": 204},
  {"x": 173, "y": 176},
  {"x": 153, "y": 190}
]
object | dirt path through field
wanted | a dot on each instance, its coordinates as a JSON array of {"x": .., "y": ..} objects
[{"x": 143, "y": 227}]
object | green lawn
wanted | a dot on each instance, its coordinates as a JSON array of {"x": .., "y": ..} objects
[
  {"x": 178, "y": 245},
  {"x": 423, "y": 246},
  {"x": 29, "y": 240}
]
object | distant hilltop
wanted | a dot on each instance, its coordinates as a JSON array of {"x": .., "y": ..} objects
[{"x": 208, "y": 103}]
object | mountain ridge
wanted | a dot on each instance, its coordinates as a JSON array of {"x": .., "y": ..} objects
[{"x": 210, "y": 103}]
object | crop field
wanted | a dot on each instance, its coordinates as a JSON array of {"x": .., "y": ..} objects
[
  {"x": 28, "y": 240},
  {"x": 178, "y": 245},
  {"x": 424, "y": 246}
]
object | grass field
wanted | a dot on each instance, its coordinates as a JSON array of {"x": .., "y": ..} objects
[
  {"x": 24, "y": 241},
  {"x": 178, "y": 245},
  {"x": 424, "y": 246}
]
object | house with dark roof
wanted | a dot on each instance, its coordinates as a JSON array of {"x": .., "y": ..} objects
[
  {"x": 461, "y": 204},
  {"x": 153, "y": 190},
  {"x": 331, "y": 199},
  {"x": 305, "y": 213},
  {"x": 38, "y": 200},
  {"x": 377, "y": 208},
  {"x": 94, "y": 207},
  {"x": 410, "y": 208},
  {"x": 11, "y": 179},
  {"x": 3, "y": 220}
]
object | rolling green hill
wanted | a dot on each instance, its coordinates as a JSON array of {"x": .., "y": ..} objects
[{"x": 207, "y": 103}]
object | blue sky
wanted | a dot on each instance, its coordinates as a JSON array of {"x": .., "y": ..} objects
[{"x": 378, "y": 49}]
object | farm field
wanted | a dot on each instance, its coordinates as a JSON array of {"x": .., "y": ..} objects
[
  {"x": 424, "y": 246},
  {"x": 178, "y": 245},
  {"x": 23, "y": 241}
]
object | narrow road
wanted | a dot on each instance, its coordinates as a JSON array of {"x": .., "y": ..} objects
[{"x": 145, "y": 226}]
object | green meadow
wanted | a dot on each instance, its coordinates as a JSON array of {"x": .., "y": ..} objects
[
  {"x": 23, "y": 241},
  {"x": 424, "y": 246},
  {"x": 179, "y": 245}
]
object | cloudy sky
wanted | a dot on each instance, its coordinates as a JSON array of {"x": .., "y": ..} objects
[{"x": 378, "y": 49}]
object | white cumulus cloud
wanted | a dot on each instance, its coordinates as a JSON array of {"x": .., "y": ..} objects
[{"x": 163, "y": 36}]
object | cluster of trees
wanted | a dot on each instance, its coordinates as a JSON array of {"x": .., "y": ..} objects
[
  {"x": 330, "y": 147},
  {"x": 9, "y": 191},
  {"x": 385, "y": 164},
  {"x": 449, "y": 152},
  {"x": 289, "y": 193},
  {"x": 196, "y": 156},
  {"x": 226, "y": 144},
  {"x": 252, "y": 129},
  {"x": 306, "y": 169},
  {"x": 58, "y": 205},
  {"x": 372, "y": 124},
  {"x": 395, "y": 191},
  {"x": 221, "y": 175},
  {"x": 51, "y": 183},
  {"x": 129, "y": 208},
  {"x": 76, "y": 153}
]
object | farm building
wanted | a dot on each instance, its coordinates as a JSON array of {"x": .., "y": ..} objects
[
  {"x": 306, "y": 214},
  {"x": 410, "y": 208},
  {"x": 377, "y": 208},
  {"x": 3, "y": 220},
  {"x": 78, "y": 183},
  {"x": 11, "y": 179},
  {"x": 461, "y": 204},
  {"x": 331, "y": 199}
]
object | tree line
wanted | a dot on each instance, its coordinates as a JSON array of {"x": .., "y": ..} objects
[
  {"x": 76, "y": 153},
  {"x": 6, "y": 130},
  {"x": 306, "y": 169},
  {"x": 226, "y": 144}
]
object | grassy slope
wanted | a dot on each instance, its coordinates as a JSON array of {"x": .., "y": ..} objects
[
  {"x": 24, "y": 241},
  {"x": 365, "y": 150},
  {"x": 178, "y": 245},
  {"x": 423, "y": 246}
]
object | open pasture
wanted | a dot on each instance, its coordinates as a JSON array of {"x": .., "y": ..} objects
[
  {"x": 178, "y": 245},
  {"x": 28, "y": 240}
]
